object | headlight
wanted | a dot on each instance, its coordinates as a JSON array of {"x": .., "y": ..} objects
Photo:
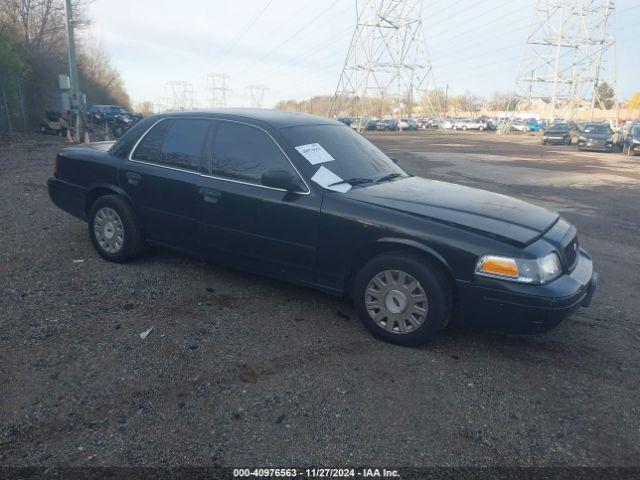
[{"x": 539, "y": 270}]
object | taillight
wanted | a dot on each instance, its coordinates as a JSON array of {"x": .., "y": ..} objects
[{"x": 56, "y": 162}]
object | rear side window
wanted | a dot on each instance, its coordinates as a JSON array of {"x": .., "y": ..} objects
[
  {"x": 175, "y": 143},
  {"x": 183, "y": 144},
  {"x": 149, "y": 148},
  {"x": 242, "y": 152}
]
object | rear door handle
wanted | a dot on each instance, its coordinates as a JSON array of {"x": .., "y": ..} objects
[
  {"x": 210, "y": 196},
  {"x": 134, "y": 178}
]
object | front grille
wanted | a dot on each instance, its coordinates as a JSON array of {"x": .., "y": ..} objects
[{"x": 570, "y": 253}]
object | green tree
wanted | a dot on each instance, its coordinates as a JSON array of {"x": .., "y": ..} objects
[
  {"x": 605, "y": 96},
  {"x": 12, "y": 69}
]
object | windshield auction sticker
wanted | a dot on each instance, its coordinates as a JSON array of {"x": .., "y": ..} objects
[
  {"x": 329, "y": 180},
  {"x": 314, "y": 153}
]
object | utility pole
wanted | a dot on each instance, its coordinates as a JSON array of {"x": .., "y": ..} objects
[
  {"x": 257, "y": 94},
  {"x": 387, "y": 59},
  {"x": 218, "y": 89},
  {"x": 73, "y": 71}
]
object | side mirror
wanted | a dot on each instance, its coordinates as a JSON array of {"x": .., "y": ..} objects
[{"x": 281, "y": 179}]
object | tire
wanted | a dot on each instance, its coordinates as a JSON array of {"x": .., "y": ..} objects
[
  {"x": 401, "y": 270},
  {"x": 112, "y": 219},
  {"x": 544, "y": 142}
]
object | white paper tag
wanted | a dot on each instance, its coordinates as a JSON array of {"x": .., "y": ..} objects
[
  {"x": 314, "y": 153},
  {"x": 325, "y": 177}
]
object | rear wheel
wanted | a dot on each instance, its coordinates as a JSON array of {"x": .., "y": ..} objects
[
  {"x": 114, "y": 230},
  {"x": 402, "y": 298}
]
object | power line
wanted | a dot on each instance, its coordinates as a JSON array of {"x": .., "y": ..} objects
[{"x": 244, "y": 31}]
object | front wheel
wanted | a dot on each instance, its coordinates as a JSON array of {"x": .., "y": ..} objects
[
  {"x": 113, "y": 229},
  {"x": 402, "y": 298}
]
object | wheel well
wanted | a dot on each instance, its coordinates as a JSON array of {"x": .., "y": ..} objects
[
  {"x": 93, "y": 195},
  {"x": 381, "y": 248}
]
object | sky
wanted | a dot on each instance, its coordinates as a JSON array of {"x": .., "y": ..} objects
[{"x": 297, "y": 48}]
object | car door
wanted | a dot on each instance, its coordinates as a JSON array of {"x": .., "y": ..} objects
[
  {"x": 250, "y": 225},
  {"x": 161, "y": 179}
]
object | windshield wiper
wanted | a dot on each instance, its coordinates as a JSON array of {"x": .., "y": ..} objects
[
  {"x": 388, "y": 177},
  {"x": 352, "y": 181}
]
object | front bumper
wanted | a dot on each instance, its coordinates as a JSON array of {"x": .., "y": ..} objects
[
  {"x": 554, "y": 139},
  {"x": 521, "y": 308},
  {"x": 595, "y": 145}
]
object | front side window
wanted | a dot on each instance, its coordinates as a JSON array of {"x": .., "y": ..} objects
[{"x": 242, "y": 152}]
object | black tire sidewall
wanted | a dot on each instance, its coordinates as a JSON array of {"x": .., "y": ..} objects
[
  {"x": 132, "y": 239},
  {"x": 432, "y": 281}
]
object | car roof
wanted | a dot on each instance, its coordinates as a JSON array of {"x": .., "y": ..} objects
[{"x": 272, "y": 117}]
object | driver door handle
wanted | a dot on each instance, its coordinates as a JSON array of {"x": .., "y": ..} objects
[{"x": 209, "y": 195}]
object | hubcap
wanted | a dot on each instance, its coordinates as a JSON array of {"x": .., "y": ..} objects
[
  {"x": 396, "y": 302},
  {"x": 108, "y": 230}
]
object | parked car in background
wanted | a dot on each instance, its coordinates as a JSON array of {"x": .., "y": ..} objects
[
  {"x": 448, "y": 123},
  {"x": 519, "y": 126},
  {"x": 358, "y": 124},
  {"x": 534, "y": 125},
  {"x": 407, "y": 124},
  {"x": 346, "y": 120},
  {"x": 560, "y": 133},
  {"x": 99, "y": 114},
  {"x": 429, "y": 123},
  {"x": 631, "y": 143},
  {"x": 471, "y": 124},
  {"x": 388, "y": 125},
  {"x": 596, "y": 136},
  {"x": 244, "y": 188},
  {"x": 371, "y": 125}
]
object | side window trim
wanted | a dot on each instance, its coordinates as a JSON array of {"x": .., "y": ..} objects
[{"x": 214, "y": 128}]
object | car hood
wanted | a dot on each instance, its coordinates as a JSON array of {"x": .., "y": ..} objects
[{"x": 488, "y": 213}]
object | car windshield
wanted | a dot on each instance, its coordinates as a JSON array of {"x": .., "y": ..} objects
[
  {"x": 596, "y": 129},
  {"x": 559, "y": 126},
  {"x": 354, "y": 156}
]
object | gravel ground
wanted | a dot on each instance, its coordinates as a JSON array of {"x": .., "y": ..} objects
[{"x": 241, "y": 370}]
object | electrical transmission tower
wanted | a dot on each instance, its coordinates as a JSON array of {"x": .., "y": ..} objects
[
  {"x": 179, "y": 96},
  {"x": 218, "y": 89},
  {"x": 387, "y": 65},
  {"x": 565, "y": 57},
  {"x": 257, "y": 94}
]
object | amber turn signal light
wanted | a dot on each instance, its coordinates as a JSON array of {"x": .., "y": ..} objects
[{"x": 502, "y": 266}]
